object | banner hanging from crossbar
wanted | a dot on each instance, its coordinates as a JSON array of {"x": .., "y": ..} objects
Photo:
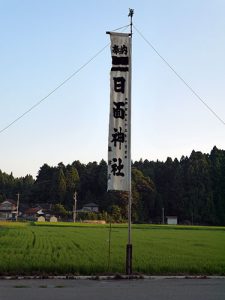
[{"x": 119, "y": 154}]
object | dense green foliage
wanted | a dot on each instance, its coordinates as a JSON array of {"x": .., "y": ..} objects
[
  {"x": 69, "y": 248},
  {"x": 192, "y": 189}
]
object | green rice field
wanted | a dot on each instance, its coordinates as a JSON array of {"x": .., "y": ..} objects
[{"x": 83, "y": 249}]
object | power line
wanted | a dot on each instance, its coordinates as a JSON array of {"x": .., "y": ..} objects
[
  {"x": 91, "y": 59},
  {"x": 54, "y": 90},
  {"x": 179, "y": 76},
  {"x": 123, "y": 27},
  {"x": 60, "y": 85}
]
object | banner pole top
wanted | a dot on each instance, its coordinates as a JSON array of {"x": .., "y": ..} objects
[
  {"x": 131, "y": 13},
  {"x": 118, "y": 33}
]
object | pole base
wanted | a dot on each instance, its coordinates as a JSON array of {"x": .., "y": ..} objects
[{"x": 129, "y": 259}]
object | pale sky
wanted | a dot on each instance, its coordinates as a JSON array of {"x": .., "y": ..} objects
[{"x": 45, "y": 41}]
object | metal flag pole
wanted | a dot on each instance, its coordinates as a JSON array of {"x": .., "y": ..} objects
[{"x": 129, "y": 244}]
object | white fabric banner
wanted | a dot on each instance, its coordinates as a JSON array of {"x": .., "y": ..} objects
[{"x": 119, "y": 160}]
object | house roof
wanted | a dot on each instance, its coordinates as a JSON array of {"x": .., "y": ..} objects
[
  {"x": 91, "y": 205},
  {"x": 44, "y": 205},
  {"x": 32, "y": 210},
  {"x": 10, "y": 201},
  {"x": 8, "y": 205}
]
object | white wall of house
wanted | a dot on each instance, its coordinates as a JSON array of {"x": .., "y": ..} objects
[{"x": 172, "y": 220}]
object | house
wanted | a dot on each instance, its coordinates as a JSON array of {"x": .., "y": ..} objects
[
  {"x": 90, "y": 207},
  {"x": 8, "y": 209},
  {"x": 33, "y": 213},
  {"x": 171, "y": 220}
]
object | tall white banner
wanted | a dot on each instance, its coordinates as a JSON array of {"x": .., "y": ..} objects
[{"x": 119, "y": 160}]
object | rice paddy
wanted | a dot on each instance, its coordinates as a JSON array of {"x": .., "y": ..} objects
[{"x": 83, "y": 249}]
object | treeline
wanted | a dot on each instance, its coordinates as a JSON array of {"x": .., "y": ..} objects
[{"x": 192, "y": 188}]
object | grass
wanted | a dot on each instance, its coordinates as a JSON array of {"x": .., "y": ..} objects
[{"x": 82, "y": 249}]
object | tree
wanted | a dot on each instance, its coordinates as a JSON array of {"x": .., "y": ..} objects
[
  {"x": 116, "y": 213},
  {"x": 143, "y": 197},
  {"x": 60, "y": 185},
  {"x": 200, "y": 187},
  {"x": 217, "y": 159},
  {"x": 59, "y": 210},
  {"x": 42, "y": 189}
]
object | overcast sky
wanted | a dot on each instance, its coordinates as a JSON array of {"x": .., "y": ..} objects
[{"x": 45, "y": 41}]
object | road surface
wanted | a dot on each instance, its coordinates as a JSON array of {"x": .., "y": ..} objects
[{"x": 142, "y": 289}]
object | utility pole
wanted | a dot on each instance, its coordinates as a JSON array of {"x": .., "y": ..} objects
[
  {"x": 75, "y": 206},
  {"x": 163, "y": 218},
  {"x": 17, "y": 205}
]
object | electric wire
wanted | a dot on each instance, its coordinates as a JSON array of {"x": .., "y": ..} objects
[
  {"x": 179, "y": 76},
  {"x": 91, "y": 59},
  {"x": 123, "y": 27},
  {"x": 55, "y": 89},
  {"x": 60, "y": 85}
]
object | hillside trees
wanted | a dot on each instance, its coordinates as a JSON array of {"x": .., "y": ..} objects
[
  {"x": 217, "y": 159},
  {"x": 192, "y": 188},
  {"x": 56, "y": 185},
  {"x": 10, "y": 186}
]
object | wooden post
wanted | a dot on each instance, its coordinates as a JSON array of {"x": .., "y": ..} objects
[
  {"x": 75, "y": 207},
  {"x": 17, "y": 206}
]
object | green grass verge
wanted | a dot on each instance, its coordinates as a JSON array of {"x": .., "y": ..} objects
[{"x": 82, "y": 249}]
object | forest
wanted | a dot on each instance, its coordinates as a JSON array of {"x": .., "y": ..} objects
[{"x": 192, "y": 188}]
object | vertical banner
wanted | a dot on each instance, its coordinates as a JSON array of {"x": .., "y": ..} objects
[{"x": 119, "y": 160}]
